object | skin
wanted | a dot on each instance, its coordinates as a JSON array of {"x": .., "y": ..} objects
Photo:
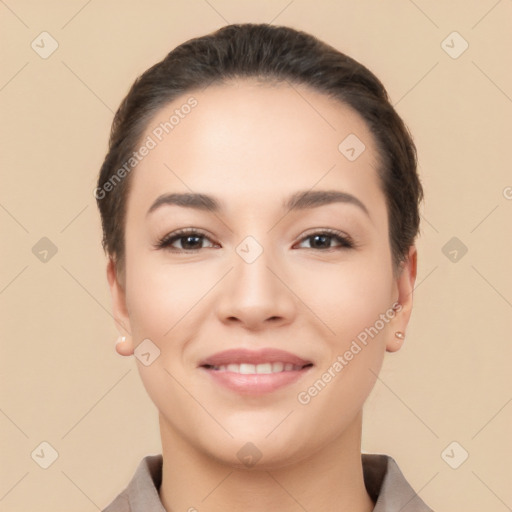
[{"x": 251, "y": 146}]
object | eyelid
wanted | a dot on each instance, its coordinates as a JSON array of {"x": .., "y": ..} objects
[
  {"x": 164, "y": 243},
  {"x": 346, "y": 239},
  {"x": 326, "y": 231}
]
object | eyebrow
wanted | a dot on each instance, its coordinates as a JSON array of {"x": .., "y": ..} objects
[{"x": 301, "y": 200}]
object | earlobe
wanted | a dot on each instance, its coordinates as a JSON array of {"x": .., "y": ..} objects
[
  {"x": 397, "y": 343},
  {"x": 405, "y": 285},
  {"x": 124, "y": 344}
]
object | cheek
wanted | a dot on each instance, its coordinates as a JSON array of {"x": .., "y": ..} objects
[
  {"x": 160, "y": 295},
  {"x": 349, "y": 298},
  {"x": 161, "y": 304},
  {"x": 351, "y": 303}
]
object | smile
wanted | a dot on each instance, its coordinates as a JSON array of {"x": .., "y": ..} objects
[
  {"x": 254, "y": 372},
  {"x": 263, "y": 368}
]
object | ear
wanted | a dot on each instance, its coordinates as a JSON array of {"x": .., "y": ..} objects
[
  {"x": 405, "y": 285},
  {"x": 121, "y": 316}
]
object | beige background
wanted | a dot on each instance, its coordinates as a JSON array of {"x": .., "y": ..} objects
[{"x": 62, "y": 381}]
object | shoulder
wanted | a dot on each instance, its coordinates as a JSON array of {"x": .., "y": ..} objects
[
  {"x": 142, "y": 492},
  {"x": 120, "y": 504},
  {"x": 388, "y": 487}
]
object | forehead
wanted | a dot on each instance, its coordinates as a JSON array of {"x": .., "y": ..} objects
[{"x": 250, "y": 142}]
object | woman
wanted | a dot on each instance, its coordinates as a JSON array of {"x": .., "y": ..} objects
[{"x": 259, "y": 203}]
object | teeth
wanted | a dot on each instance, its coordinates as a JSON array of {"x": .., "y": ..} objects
[
  {"x": 249, "y": 369},
  {"x": 277, "y": 367},
  {"x": 264, "y": 368}
]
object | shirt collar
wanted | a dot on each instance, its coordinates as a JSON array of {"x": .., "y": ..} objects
[{"x": 384, "y": 482}]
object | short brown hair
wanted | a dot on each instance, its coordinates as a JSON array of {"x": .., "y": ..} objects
[{"x": 278, "y": 54}]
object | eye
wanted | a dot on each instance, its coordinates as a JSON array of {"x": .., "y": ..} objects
[
  {"x": 321, "y": 240},
  {"x": 190, "y": 240}
]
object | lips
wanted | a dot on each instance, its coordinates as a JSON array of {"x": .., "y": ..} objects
[
  {"x": 254, "y": 357},
  {"x": 261, "y": 368},
  {"x": 254, "y": 372}
]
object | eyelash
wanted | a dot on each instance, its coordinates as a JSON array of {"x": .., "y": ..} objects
[{"x": 164, "y": 243}]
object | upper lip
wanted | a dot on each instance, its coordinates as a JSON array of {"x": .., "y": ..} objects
[{"x": 242, "y": 355}]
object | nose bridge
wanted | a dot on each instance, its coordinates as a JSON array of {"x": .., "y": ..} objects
[
  {"x": 254, "y": 292},
  {"x": 252, "y": 278},
  {"x": 252, "y": 265}
]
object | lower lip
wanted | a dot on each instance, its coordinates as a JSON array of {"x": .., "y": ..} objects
[{"x": 255, "y": 383}]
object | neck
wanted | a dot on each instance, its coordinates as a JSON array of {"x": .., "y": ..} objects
[{"x": 330, "y": 480}]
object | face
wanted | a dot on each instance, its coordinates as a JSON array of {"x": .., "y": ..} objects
[{"x": 270, "y": 275}]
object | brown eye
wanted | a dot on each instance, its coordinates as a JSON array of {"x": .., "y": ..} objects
[
  {"x": 188, "y": 240},
  {"x": 322, "y": 240}
]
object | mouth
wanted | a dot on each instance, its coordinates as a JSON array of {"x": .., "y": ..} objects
[
  {"x": 258, "y": 369},
  {"x": 255, "y": 372}
]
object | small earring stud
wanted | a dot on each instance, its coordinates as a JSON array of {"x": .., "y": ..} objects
[
  {"x": 121, "y": 339},
  {"x": 400, "y": 335}
]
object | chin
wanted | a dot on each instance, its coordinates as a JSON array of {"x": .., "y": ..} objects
[
  {"x": 258, "y": 454},
  {"x": 255, "y": 447}
]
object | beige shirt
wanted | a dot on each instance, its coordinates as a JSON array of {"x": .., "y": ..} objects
[{"x": 384, "y": 482}]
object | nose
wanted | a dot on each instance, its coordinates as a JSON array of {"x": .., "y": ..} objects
[{"x": 256, "y": 294}]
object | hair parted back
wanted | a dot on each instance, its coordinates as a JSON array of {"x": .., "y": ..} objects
[{"x": 275, "y": 54}]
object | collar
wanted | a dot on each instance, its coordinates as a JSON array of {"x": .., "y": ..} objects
[{"x": 384, "y": 482}]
